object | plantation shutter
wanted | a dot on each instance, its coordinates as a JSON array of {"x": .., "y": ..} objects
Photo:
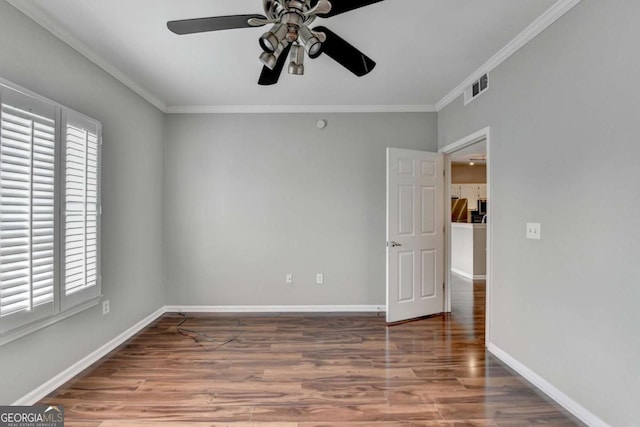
[
  {"x": 81, "y": 194},
  {"x": 27, "y": 208}
]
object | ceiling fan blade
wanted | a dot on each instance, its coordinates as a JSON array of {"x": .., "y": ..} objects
[
  {"x": 215, "y": 23},
  {"x": 344, "y": 54},
  {"x": 342, "y": 6},
  {"x": 270, "y": 77}
]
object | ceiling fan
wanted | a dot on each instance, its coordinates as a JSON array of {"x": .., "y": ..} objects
[{"x": 290, "y": 35}]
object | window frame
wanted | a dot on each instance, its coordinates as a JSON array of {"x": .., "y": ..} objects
[
  {"x": 19, "y": 324},
  {"x": 69, "y": 301},
  {"x": 25, "y": 105}
]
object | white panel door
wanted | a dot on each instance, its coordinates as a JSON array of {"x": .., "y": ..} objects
[{"x": 415, "y": 234}]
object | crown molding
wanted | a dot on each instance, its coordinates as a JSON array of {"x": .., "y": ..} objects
[
  {"x": 40, "y": 17},
  {"x": 536, "y": 27},
  {"x": 265, "y": 109},
  {"x": 545, "y": 20}
]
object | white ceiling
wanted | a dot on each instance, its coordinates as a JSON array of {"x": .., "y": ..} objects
[
  {"x": 423, "y": 48},
  {"x": 475, "y": 151}
]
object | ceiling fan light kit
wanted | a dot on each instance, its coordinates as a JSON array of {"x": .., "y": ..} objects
[
  {"x": 271, "y": 39},
  {"x": 296, "y": 66},
  {"x": 270, "y": 59},
  {"x": 290, "y": 33},
  {"x": 311, "y": 41}
]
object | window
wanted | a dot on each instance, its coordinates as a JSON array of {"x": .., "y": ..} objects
[
  {"x": 80, "y": 252},
  {"x": 27, "y": 210},
  {"x": 49, "y": 212}
]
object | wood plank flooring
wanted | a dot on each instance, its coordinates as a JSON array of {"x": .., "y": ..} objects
[{"x": 309, "y": 371}]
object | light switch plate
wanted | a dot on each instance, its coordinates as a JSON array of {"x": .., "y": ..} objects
[
  {"x": 533, "y": 230},
  {"x": 289, "y": 278},
  {"x": 319, "y": 278}
]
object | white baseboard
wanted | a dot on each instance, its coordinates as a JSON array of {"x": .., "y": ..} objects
[
  {"x": 42, "y": 391},
  {"x": 549, "y": 389},
  {"x": 48, "y": 387},
  {"x": 462, "y": 273},
  {"x": 275, "y": 308},
  {"x": 467, "y": 275}
]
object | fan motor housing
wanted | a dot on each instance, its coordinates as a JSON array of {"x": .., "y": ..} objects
[
  {"x": 297, "y": 4},
  {"x": 291, "y": 21}
]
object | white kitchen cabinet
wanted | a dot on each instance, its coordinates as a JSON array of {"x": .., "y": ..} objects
[
  {"x": 482, "y": 191},
  {"x": 471, "y": 192},
  {"x": 469, "y": 250}
]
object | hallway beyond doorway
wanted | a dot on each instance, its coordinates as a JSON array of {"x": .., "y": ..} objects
[{"x": 468, "y": 305}]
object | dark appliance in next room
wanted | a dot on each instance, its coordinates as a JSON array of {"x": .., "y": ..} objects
[{"x": 479, "y": 214}]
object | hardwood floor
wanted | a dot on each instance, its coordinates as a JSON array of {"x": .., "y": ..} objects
[{"x": 309, "y": 371}]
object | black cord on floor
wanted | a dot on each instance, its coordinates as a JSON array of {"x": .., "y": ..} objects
[{"x": 200, "y": 337}]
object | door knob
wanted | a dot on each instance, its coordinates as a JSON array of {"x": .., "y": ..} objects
[{"x": 393, "y": 244}]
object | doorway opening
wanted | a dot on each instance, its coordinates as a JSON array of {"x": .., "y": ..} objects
[{"x": 468, "y": 226}]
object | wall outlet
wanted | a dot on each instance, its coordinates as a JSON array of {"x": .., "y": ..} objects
[
  {"x": 289, "y": 278},
  {"x": 105, "y": 307},
  {"x": 319, "y": 278},
  {"x": 533, "y": 230}
]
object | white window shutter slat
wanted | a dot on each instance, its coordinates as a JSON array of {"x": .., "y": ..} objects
[
  {"x": 27, "y": 193},
  {"x": 49, "y": 205},
  {"x": 81, "y": 197}
]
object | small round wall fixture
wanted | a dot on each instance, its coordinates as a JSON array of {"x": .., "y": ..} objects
[{"x": 321, "y": 124}]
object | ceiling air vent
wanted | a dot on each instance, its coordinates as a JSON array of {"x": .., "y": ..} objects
[{"x": 477, "y": 88}]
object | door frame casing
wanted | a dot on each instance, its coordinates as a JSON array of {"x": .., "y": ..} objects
[{"x": 482, "y": 134}]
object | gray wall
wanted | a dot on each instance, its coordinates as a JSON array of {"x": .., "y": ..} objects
[
  {"x": 564, "y": 117},
  {"x": 132, "y": 199},
  {"x": 246, "y": 203},
  {"x": 250, "y": 198}
]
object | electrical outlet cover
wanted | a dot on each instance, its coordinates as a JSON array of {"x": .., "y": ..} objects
[{"x": 533, "y": 230}]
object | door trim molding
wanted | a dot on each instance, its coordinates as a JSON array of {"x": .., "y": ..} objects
[{"x": 468, "y": 140}]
